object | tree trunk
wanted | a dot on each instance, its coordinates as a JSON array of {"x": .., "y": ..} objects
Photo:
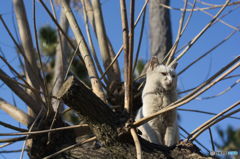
[
  {"x": 160, "y": 28},
  {"x": 108, "y": 127}
]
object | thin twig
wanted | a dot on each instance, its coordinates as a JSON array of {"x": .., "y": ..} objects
[
  {"x": 102, "y": 39},
  {"x": 211, "y": 137},
  {"x": 129, "y": 84},
  {"x": 212, "y": 123},
  {"x": 7, "y": 144},
  {"x": 204, "y": 112},
  {"x": 220, "y": 19},
  {"x": 121, "y": 48},
  {"x": 70, "y": 147},
  {"x": 15, "y": 139},
  {"x": 213, "y": 118},
  {"x": 71, "y": 61},
  {"x": 220, "y": 93},
  {"x": 44, "y": 131},
  {"x": 208, "y": 52},
  {"x": 111, "y": 64},
  {"x": 30, "y": 129},
  {"x": 90, "y": 41},
  {"x": 126, "y": 50},
  {"x": 11, "y": 151},
  {"x": 45, "y": 89},
  {"x": 13, "y": 85},
  {"x": 199, "y": 143},
  {"x": 137, "y": 143},
  {"x": 83, "y": 48},
  {"x": 17, "y": 74},
  {"x": 184, "y": 28},
  {"x": 225, "y": 78},
  {"x": 175, "y": 45},
  {"x": 140, "y": 41},
  {"x": 199, "y": 9},
  {"x": 12, "y": 127},
  {"x": 200, "y": 33}
]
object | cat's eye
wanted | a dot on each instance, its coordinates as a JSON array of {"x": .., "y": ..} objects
[
  {"x": 173, "y": 76},
  {"x": 164, "y": 73}
]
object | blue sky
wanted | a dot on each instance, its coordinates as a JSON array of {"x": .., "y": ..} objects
[{"x": 191, "y": 78}]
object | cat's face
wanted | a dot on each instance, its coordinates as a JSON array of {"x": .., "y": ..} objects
[{"x": 167, "y": 76}]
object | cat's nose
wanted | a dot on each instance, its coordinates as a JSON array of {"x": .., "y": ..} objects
[{"x": 169, "y": 84}]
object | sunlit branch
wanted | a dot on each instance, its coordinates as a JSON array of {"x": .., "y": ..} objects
[
  {"x": 208, "y": 52},
  {"x": 199, "y": 9},
  {"x": 213, "y": 122},
  {"x": 200, "y": 33},
  {"x": 213, "y": 118},
  {"x": 96, "y": 85}
]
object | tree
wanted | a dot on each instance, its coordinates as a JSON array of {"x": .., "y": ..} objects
[{"x": 103, "y": 103}]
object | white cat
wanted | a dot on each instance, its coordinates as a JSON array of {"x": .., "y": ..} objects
[{"x": 159, "y": 91}]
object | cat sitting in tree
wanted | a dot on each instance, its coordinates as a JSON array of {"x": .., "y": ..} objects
[{"x": 159, "y": 91}]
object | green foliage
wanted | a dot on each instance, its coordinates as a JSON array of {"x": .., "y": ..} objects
[
  {"x": 48, "y": 40},
  {"x": 230, "y": 139},
  {"x": 140, "y": 66}
]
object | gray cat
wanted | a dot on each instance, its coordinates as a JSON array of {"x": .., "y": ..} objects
[{"x": 159, "y": 91}]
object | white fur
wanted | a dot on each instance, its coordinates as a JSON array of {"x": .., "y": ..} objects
[{"x": 159, "y": 91}]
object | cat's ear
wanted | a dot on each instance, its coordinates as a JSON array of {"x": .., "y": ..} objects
[
  {"x": 174, "y": 65},
  {"x": 153, "y": 63}
]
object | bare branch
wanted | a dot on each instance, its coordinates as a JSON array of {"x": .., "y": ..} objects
[
  {"x": 16, "y": 113},
  {"x": 199, "y": 143},
  {"x": 19, "y": 91},
  {"x": 44, "y": 83},
  {"x": 32, "y": 71},
  {"x": 140, "y": 41},
  {"x": 128, "y": 83},
  {"x": 208, "y": 52},
  {"x": 70, "y": 147},
  {"x": 61, "y": 59},
  {"x": 220, "y": 93},
  {"x": 102, "y": 39},
  {"x": 121, "y": 48},
  {"x": 200, "y": 33},
  {"x": 214, "y": 122},
  {"x": 97, "y": 88},
  {"x": 199, "y": 9},
  {"x": 12, "y": 127},
  {"x": 179, "y": 34},
  {"x": 203, "y": 112},
  {"x": 211, "y": 137},
  {"x": 15, "y": 139},
  {"x": 220, "y": 19},
  {"x": 7, "y": 144},
  {"x": 87, "y": 16},
  {"x": 137, "y": 143},
  {"x": 45, "y": 131},
  {"x": 213, "y": 118},
  {"x": 126, "y": 50}
]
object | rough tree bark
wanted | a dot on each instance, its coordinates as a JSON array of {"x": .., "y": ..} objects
[{"x": 109, "y": 129}]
